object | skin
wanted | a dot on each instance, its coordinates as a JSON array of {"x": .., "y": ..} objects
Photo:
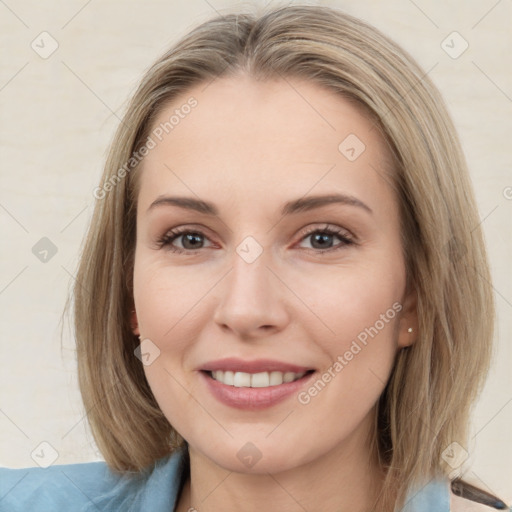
[{"x": 248, "y": 147}]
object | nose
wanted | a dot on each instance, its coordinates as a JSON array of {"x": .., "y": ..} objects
[{"x": 253, "y": 300}]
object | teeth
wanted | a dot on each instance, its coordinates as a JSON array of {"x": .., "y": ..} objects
[
  {"x": 276, "y": 378},
  {"x": 228, "y": 378},
  {"x": 242, "y": 380},
  {"x": 255, "y": 380},
  {"x": 260, "y": 380},
  {"x": 289, "y": 377}
]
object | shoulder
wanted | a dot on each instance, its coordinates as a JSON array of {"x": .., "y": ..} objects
[
  {"x": 39, "y": 488},
  {"x": 90, "y": 487}
]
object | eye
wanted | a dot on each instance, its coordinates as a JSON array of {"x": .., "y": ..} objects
[
  {"x": 191, "y": 240},
  {"x": 322, "y": 238}
]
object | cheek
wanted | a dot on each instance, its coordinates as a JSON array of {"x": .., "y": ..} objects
[
  {"x": 175, "y": 397},
  {"x": 168, "y": 299},
  {"x": 168, "y": 303},
  {"x": 347, "y": 300},
  {"x": 172, "y": 308},
  {"x": 358, "y": 311}
]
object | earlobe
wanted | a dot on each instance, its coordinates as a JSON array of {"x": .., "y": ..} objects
[
  {"x": 408, "y": 323},
  {"x": 134, "y": 323}
]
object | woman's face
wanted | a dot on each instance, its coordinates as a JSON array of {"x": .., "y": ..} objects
[{"x": 294, "y": 303}]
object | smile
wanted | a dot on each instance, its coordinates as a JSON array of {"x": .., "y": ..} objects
[
  {"x": 254, "y": 391},
  {"x": 254, "y": 380}
]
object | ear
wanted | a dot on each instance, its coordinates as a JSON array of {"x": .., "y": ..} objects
[
  {"x": 134, "y": 323},
  {"x": 408, "y": 320}
]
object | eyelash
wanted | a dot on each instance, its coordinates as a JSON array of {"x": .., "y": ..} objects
[{"x": 169, "y": 237}]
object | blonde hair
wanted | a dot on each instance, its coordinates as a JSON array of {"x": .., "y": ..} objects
[{"x": 426, "y": 404}]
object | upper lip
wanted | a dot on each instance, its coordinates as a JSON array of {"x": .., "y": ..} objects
[{"x": 256, "y": 366}]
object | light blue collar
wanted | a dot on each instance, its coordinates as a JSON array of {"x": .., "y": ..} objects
[{"x": 432, "y": 496}]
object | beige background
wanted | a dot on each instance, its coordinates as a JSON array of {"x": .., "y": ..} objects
[{"x": 58, "y": 115}]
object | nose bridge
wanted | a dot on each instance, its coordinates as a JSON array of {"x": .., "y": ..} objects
[
  {"x": 250, "y": 263},
  {"x": 250, "y": 298}
]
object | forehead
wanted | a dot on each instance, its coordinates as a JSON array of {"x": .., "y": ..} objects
[{"x": 267, "y": 138}]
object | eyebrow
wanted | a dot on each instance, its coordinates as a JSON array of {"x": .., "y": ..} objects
[{"x": 296, "y": 206}]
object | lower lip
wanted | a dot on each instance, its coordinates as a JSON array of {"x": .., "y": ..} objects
[{"x": 253, "y": 398}]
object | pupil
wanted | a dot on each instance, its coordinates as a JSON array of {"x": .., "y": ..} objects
[
  {"x": 190, "y": 238},
  {"x": 323, "y": 237}
]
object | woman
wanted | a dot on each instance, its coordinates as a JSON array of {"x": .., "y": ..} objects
[{"x": 283, "y": 298}]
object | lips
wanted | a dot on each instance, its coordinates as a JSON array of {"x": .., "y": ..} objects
[{"x": 245, "y": 393}]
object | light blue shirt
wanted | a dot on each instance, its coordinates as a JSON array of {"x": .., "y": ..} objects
[{"x": 92, "y": 487}]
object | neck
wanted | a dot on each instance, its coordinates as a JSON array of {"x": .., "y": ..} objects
[{"x": 345, "y": 479}]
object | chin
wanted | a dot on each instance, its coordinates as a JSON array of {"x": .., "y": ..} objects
[{"x": 255, "y": 457}]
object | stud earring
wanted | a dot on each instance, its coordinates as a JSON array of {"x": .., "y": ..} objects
[{"x": 410, "y": 329}]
